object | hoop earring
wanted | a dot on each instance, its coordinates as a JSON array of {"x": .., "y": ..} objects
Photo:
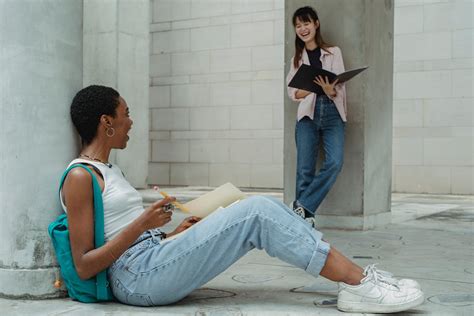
[{"x": 107, "y": 131}]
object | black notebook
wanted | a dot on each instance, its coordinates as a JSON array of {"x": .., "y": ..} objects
[{"x": 305, "y": 75}]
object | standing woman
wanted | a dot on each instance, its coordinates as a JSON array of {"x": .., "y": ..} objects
[{"x": 319, "y": 116}]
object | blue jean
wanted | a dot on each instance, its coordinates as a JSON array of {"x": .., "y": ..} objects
[
  {"x": 312, "y": 187},
  {"x": 153, "y": 272}
]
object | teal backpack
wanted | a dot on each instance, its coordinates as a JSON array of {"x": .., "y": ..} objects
[{"x": 94, "y": 289}]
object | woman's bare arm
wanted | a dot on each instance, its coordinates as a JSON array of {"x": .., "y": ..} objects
[{"x": 79, "y": 199}]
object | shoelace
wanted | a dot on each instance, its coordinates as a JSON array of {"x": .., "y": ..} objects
[{"x": 371, "y": 273}]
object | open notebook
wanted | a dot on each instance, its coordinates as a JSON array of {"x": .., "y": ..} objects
[{"x": 221, "y": 197}]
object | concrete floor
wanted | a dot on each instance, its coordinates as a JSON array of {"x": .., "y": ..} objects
[{"x": 430, "y": 239}]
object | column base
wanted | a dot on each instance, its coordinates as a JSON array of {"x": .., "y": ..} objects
[
  {"x": 29, "y": 283},
  {"x": 353, "y": 222}
]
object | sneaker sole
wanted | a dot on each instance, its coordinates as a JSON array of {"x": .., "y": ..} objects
[{"x": 378, "y": 308}]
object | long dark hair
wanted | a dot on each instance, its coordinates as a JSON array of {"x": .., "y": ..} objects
[{"x": 307, "y": 14}]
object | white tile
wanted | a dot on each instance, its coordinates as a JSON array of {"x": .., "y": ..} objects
[
  {"x": 463, "y": 83},
  {"x": 209, "y": 78},
  {"x": 160, "y": 81},
  {"x": 279, "y": 4},
  {"x": 251, "y": 151},
  {"x": 205, "y": 8},
  {"x": 252, "y": 34},
  {"x": 237, "y": 174},
  {"x": 462, "y": 179},
  {"x": 268, "y": 57},
  {"x": 422, "y": 46},
  {"x": 266, "y": 176},
  {"x": 402, "y": 3},
  {"x": 248, "y": 6},
  {"x": 421, "y": 179},
  {"x": 417, "y": 85},
  {"x": 278, "y": 151},
  {"x": 190, "y": 63},
  {"x": 463, "y": 13},
  {"x": 160, "y": 27},
  {"x": 189, "y": 24},
  {"x": 189, "y": 174},
  {"x": 438, "y": 17},
  {"x": 160, "y": 96},
  {"x": 189, "y": 95},
  {"x": 267, "y": 92},
  {"x": 449, "y": 151},
  {"x": 278, "y": 116},
  {"x": 251, "y": 117},
  {"x": 170, "y": 119},
  {"x": 231, "y": 93},
  {"x": 160, "y": 65},
  {"x": 211, "y": 150},
  {"x": 171, "y": 41},
  {"x": 170, "y": 151},
  {"x": 231, "y": 60},
  {"x": 279, "y": 31},
  {"x": 407, "y": 151},
  {"x": 209, "y": 118},
  {"x": 408, "y": 20},
  {"x": 449, "y": 112},
  {"x": 170, "y": 10},
  {"x": 208, "y": 38},
  {"x": 463, "y": 43},
  {"x": 161, "y": 135},
  {"x": 158, "y": 173},
  {"x": 407, "y": 113}
]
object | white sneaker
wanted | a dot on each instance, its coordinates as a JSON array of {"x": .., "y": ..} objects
[
  {"x": 402, "y": 282},
  {"x": 377, "y": 294}
]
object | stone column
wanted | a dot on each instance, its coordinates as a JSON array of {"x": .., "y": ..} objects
[
  {"x": 116, "y": 54},
  {"x": 363, "y": 29},
  {"x": 41, "y": 70}
]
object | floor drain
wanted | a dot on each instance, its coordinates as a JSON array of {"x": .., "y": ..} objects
[
  {"x": 250, "y": 278},
  {"x": 332, "y": 302},
  {"x": 453, "y": 299}
]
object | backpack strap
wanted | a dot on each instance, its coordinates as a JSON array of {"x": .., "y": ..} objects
[{"x": 101, "y": 277}]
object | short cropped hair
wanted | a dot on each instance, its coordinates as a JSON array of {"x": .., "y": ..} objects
[{"x": 89, "y": 105}]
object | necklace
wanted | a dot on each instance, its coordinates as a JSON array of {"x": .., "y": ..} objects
[{"x": 108, "y": 164}]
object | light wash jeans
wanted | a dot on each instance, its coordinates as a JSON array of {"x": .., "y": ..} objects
[
  {"x": 152, "y": 272},
  {"x": 312, "y": 187}
]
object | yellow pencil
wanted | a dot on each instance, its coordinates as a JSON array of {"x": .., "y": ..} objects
[{"x": 175, "y": 203}]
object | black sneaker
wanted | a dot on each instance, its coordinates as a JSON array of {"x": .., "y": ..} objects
[{"x": 301, "y": 212}]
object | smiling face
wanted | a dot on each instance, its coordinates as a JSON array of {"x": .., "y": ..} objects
[
  {"x": 122, "y": 124},
  {"x": 306, "y": 30}
]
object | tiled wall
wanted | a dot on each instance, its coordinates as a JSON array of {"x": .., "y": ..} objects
[
  {"x": 433, "y": 97},
  {"x": 216, "y": 95}
]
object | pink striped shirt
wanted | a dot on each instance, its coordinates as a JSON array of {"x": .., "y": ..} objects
[{"x": 331, "y": 61}]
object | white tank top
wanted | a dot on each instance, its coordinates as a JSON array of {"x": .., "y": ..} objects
[{"x": 122, "y": 203}]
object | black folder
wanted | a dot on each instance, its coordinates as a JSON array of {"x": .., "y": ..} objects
[{"x": 305, "y": 75}]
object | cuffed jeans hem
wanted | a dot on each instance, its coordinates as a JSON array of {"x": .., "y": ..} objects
[{"x": 318, "y": 260}]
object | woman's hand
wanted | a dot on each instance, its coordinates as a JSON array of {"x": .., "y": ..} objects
[
  {"x": 328, "y": 88},
  {"x": 185, "y": 224},
  {"x": 300, "y": 93},
  {"x": 155, "y": 216}
]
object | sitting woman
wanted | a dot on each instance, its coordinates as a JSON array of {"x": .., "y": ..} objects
[{"x": 144, "y": 271}]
